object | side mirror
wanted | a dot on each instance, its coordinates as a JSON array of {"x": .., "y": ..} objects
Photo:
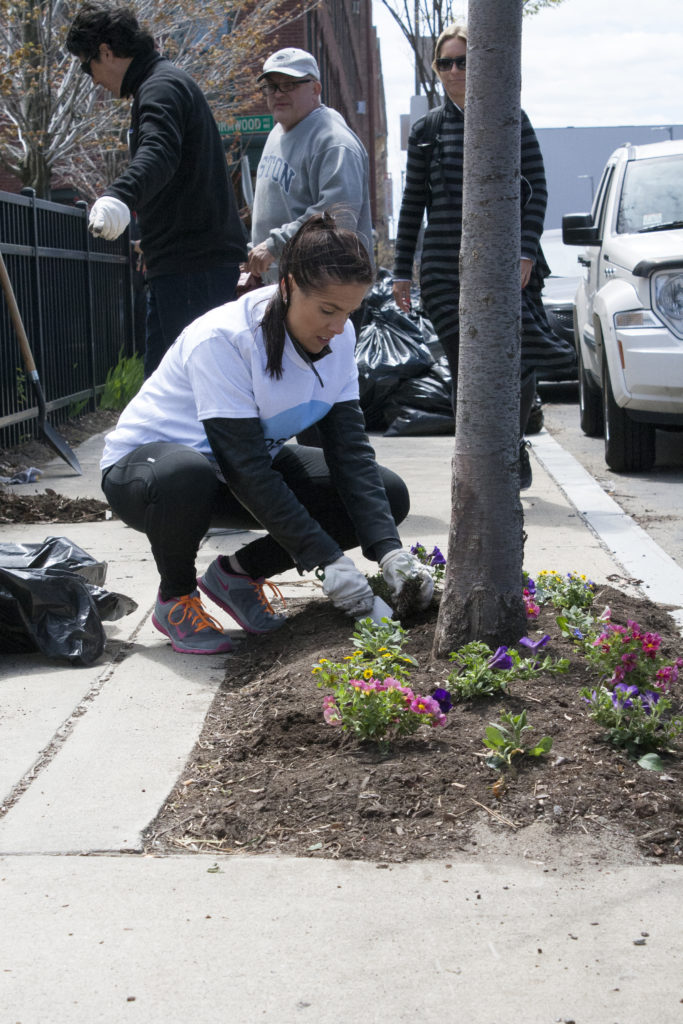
[{"x": 579, "y": 229}]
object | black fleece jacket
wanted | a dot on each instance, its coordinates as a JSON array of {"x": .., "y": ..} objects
[{"x": 177, "y": 181}]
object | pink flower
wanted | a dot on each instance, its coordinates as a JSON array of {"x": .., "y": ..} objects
[
  {"x": 425, "y": 706},
  {"x": 331, "y": 714},
  {"x": 651, "y": 643}
]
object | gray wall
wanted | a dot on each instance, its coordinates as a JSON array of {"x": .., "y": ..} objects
[{"x": 570, "y": 152}]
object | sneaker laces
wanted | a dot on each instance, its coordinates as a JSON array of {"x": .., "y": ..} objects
[
  {"x": 261, "y": 594},
  {"x": 190, "y": 607}
]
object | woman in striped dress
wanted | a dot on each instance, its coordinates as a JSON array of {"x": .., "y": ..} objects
[{"x": 434, "y": 179}]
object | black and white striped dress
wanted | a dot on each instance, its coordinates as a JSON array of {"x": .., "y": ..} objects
[{"x": 434, "y": 183}]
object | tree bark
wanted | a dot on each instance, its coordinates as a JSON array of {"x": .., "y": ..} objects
[{"x": 482, "y": 598}]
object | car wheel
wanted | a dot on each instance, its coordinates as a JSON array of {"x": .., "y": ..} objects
[
  {"x": 629, "y": 445},
  {"x": 590, "y": 404}
]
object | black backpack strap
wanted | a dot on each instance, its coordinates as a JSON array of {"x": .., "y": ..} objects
[{"x": 427, "y": 136}]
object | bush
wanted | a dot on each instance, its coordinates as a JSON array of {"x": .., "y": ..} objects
[{"x": 123, "y": 382}]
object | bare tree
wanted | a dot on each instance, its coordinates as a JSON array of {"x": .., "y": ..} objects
[
  {"x": 482, "y": 596},
  {"x": 54, "y": 123},
  {"x": 422, "y": 22}
]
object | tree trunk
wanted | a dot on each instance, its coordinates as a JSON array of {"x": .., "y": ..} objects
[
  {"x": 36, "y": 173},
  {"x": 482, "y": 597}
]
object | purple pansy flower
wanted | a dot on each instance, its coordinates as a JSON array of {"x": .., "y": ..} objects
[
  {"x": 621, "y": 695},
  {"x": 443, "y": 699},
  {"x": 648, "y": 700},
  {"x": 534, "y": 646},
  {"x": 500, "y": 659},
  {"x": 436, "y": 558}
]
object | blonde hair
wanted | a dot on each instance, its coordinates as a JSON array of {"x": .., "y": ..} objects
[{"x": 456, "y": 31}]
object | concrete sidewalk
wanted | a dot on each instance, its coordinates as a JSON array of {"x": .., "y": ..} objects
[{"x": 88, "y": 755}]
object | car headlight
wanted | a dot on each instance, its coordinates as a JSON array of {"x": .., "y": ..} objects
[{"x": 667, "y": 298}]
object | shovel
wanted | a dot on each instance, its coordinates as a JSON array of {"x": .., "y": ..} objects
[{"x": 50, "y": 435}]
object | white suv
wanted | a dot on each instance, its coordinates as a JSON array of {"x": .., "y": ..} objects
[{"x": 628, "y": 309}]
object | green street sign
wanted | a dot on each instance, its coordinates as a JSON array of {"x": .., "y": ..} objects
[{"x": 251, "y": 125}]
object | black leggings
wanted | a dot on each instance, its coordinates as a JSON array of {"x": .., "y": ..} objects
[{"x": 172, "y": 494}]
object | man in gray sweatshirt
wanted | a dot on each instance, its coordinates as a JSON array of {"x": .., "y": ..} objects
[{"x": 311, "y": 162}]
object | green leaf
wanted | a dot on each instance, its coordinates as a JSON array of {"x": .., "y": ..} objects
[
  {"x": 494, "y": 737},
  {"x": 652, "y": 762},
  {"x": 542, "y": 747},
  {"x": 496, "y": 762}
]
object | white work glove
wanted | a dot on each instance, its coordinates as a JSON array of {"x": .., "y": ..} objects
[
  {"x": 398, "y": 567},
  {"x": 347, "y": 588},
  {"x": 109, "y": 218}
]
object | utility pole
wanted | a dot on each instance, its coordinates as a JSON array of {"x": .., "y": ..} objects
[{"x": 418, "y": 52}]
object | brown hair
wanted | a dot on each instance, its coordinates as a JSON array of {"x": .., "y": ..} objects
[{"x": 319, "y": 254}]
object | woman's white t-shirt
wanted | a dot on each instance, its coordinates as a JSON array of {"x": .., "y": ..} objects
[{"x": 217, "y": 369}]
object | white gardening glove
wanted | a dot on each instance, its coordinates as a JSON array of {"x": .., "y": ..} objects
[
  {"x": 347, "y": 588},
  {"x": 109, "y": 218},
  {"x": 399, "y": 566}
]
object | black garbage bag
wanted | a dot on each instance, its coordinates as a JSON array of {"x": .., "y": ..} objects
[
  {"x": 431, "y": 392},
  {"x": 423, "y": 405},
  {"x": 380, "y": 294},
  {"x": 55, "y": 608},
  {"x": 54, "y": 552},
  {"x": 389, "y": 350},
  {"x": 420, "y": 423}
]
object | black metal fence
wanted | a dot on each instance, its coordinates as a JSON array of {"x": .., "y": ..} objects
[{"x": 75, "y": 298}]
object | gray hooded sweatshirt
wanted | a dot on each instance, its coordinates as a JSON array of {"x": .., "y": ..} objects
[{"x": 319, "y": 164}]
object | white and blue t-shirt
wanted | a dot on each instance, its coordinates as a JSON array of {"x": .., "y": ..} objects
[{"x": 217, "y": 370}]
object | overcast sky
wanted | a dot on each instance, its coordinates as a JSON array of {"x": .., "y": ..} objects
[{"x": 586, "y": 62}]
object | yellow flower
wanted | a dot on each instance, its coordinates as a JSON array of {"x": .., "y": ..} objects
[
  {"x": 367, "y": 674},
  {"x": 380, "y": 649}
]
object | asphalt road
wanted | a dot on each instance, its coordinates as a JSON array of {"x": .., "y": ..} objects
[{"x": 654, "y": 500}]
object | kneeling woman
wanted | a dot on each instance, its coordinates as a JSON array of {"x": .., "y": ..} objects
[{"x": 205, "y": 438}]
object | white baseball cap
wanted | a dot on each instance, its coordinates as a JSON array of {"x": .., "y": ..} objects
[{"x": 291, "y": 61}]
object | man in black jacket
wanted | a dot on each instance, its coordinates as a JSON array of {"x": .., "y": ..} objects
[{"x": 177, "y": 182}]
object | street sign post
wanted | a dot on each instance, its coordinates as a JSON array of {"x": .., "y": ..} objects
[{"x": 253, "y": 124}]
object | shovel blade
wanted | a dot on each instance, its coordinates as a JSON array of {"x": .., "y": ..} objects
[{"x": 59, "y": 445}]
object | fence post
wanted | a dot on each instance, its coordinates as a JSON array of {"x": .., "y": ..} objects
[
  {"x": 37, "y": 336},
  {"x": 83, "y": 207}
]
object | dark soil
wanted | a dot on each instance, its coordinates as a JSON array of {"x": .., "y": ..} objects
[
  {"x": 48, "y": 506},
  {"x": 269, "y": 776}
]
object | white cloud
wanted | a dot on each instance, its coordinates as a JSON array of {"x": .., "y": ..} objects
[{"x": 601, "y": 62}]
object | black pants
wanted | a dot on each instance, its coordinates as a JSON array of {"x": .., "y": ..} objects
[
  {"x": 175, "y": 300},
  {"x": 172, "y": 494}
]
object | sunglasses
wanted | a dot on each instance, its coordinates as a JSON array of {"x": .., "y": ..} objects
[
  {"x": 270, "y": 88},
  {"x": 446, "y": 63}
]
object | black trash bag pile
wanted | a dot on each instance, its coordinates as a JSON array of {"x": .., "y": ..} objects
[
  {"x": 52, "y": 601},
  {"x": 405, "y": 384}
]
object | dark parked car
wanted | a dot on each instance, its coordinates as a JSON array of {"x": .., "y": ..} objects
[{"x": 560, "y": 288}]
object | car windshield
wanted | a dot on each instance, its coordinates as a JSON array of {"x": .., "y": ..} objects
[{"x": 652, "y": 195}]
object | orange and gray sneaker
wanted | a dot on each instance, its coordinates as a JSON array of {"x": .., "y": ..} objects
[
  {"x": 242, "y": 597},
  {"x": 189, "y": 626}
]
